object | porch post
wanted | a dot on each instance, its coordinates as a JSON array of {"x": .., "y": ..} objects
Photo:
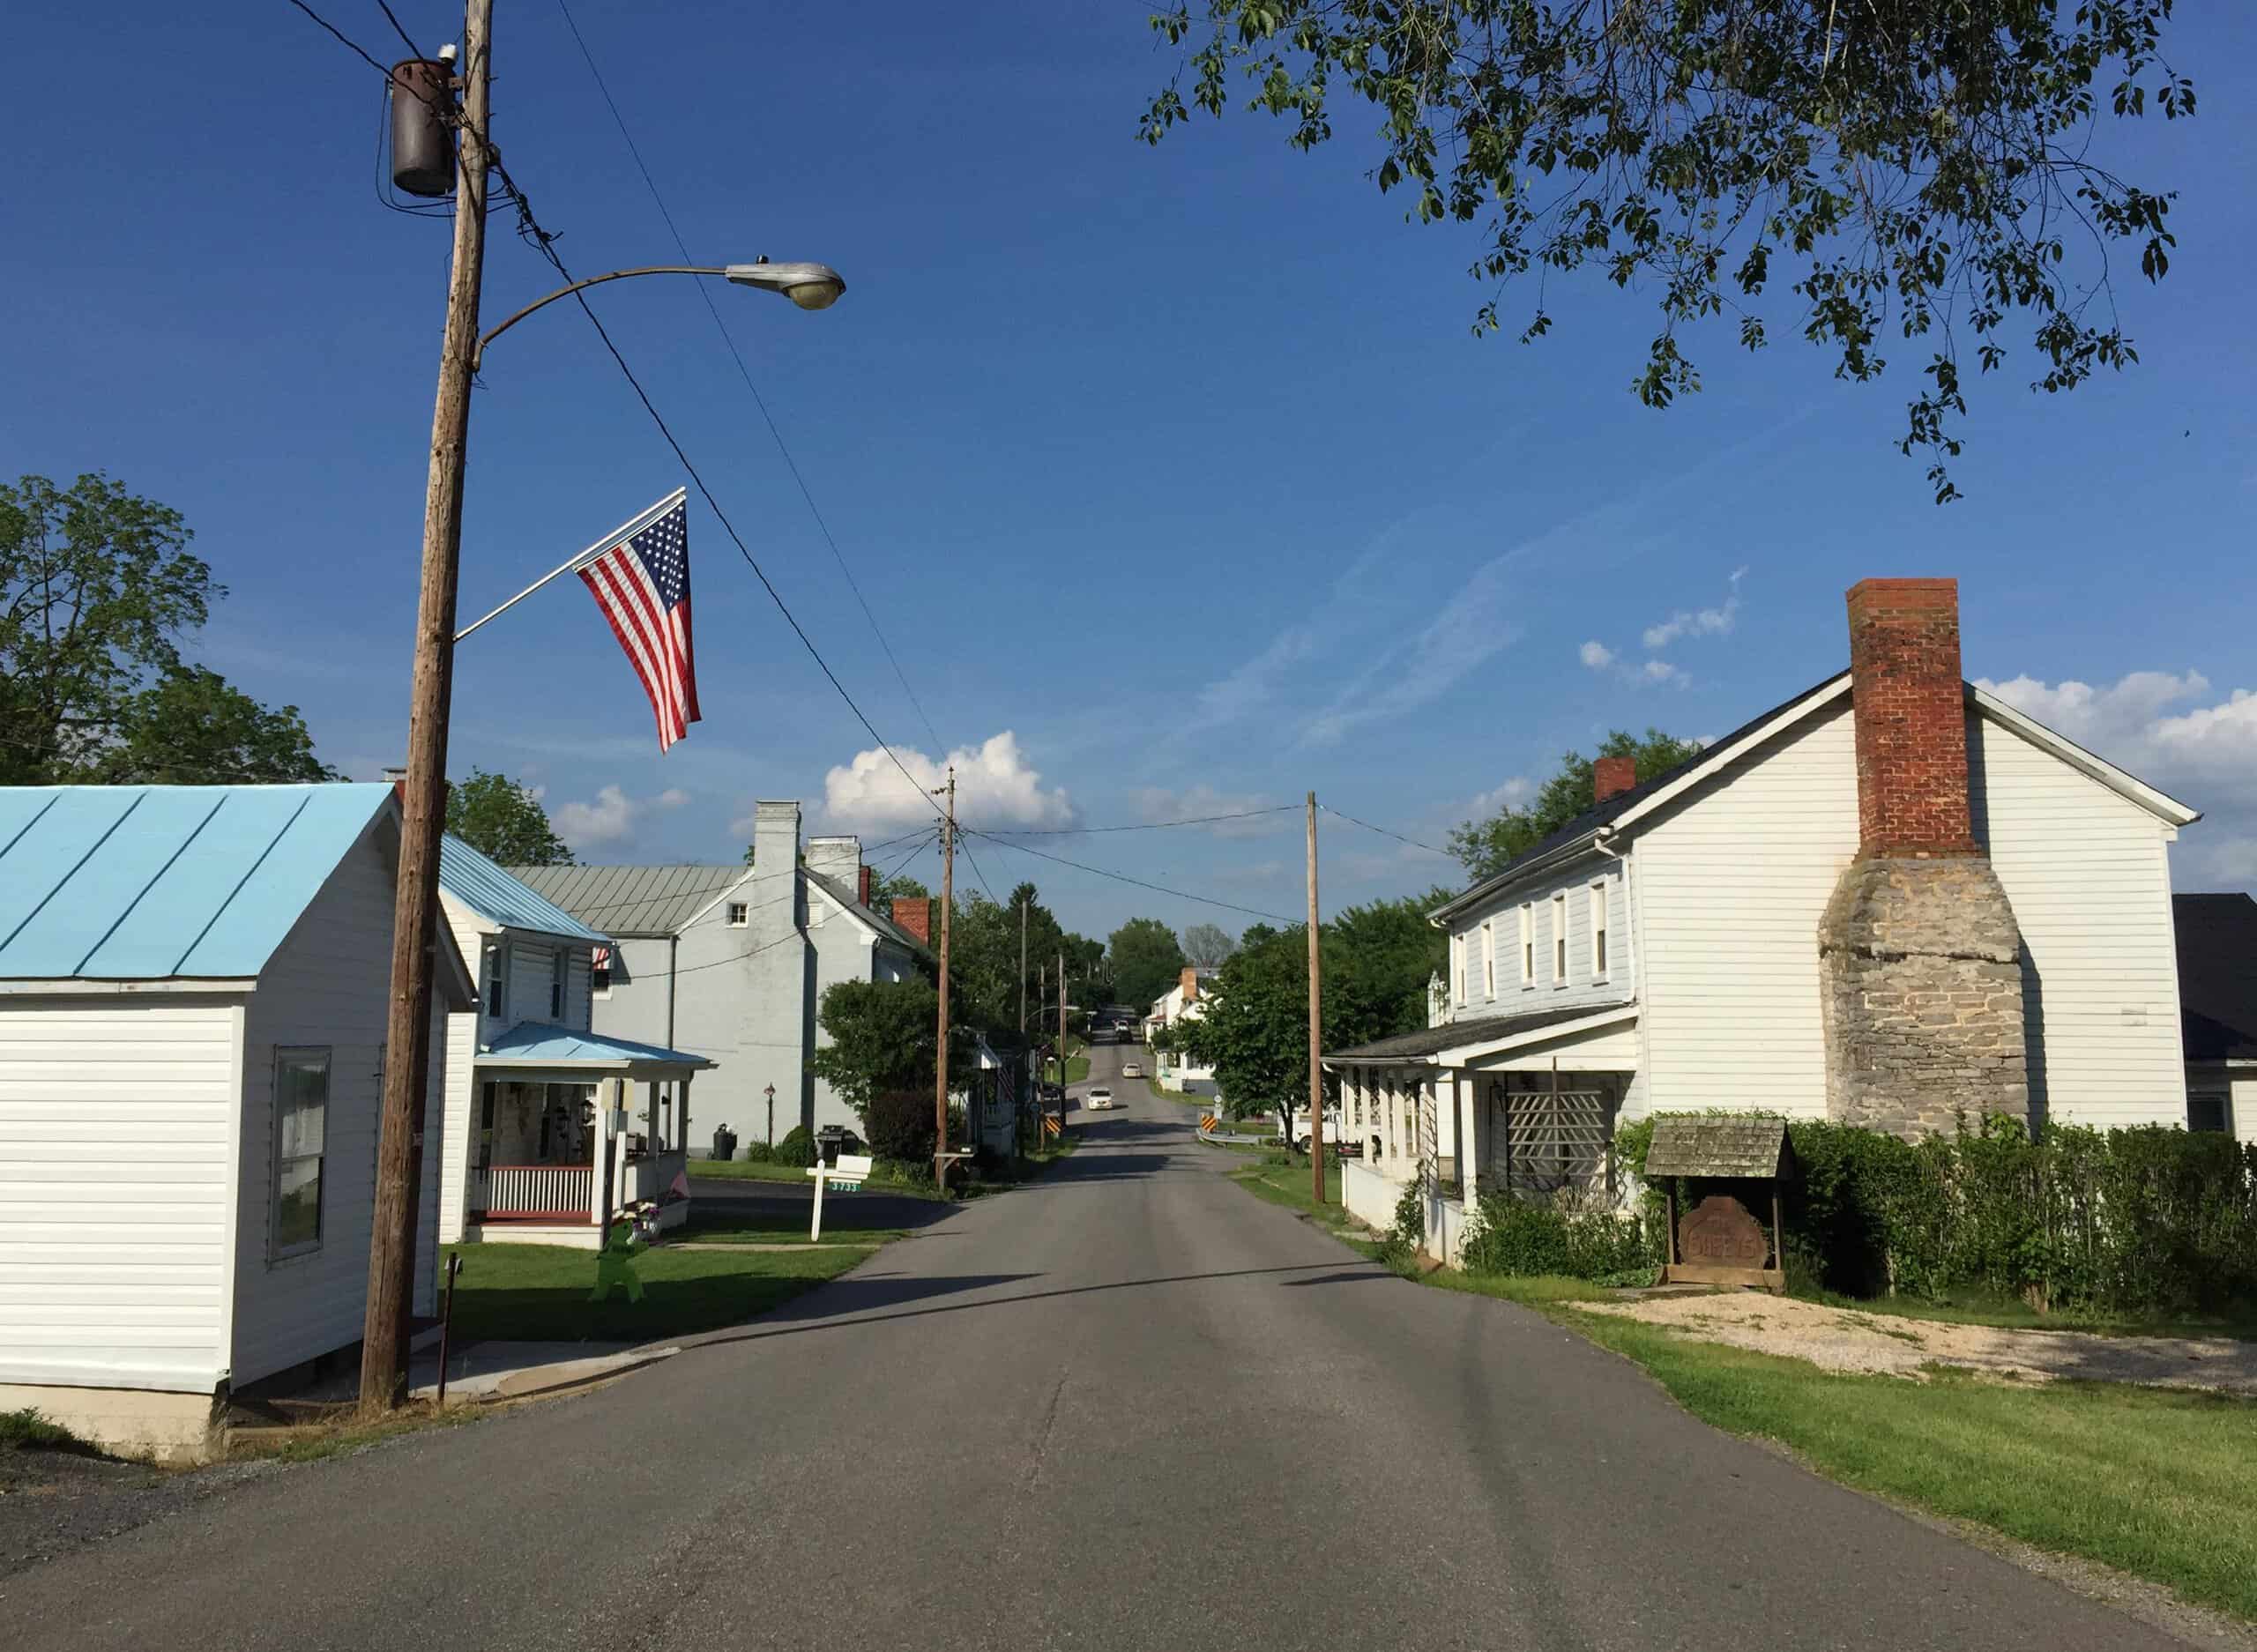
[
  {"x": 600, "y": 1160},
  {"x": 682, "y": 1118},
  {"x": 1469, "y": 1115}
]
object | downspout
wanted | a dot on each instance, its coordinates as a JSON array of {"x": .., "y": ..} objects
[{"x": 674, "y": 949}]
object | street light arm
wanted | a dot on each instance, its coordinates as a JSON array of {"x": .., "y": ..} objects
[{"x": 594, "y": 280}]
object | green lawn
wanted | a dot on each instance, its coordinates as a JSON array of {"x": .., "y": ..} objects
[
  {"x": 540, "y": 1292},
  {"x": 747, "y": 1170},
  {"x": 2155, "y": 1482},
  {"x": 1288, "y": 1185},
  {"x": 780, "y": 1227}
]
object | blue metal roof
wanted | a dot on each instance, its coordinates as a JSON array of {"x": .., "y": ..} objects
[
  {"x": 152, "y": 882},
  {"x": 537, "y": 1044},
  {"x": 483, "y": 886}
]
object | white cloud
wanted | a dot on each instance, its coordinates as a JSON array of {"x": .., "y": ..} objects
[
  {"x": 1598, "y": 656},
  {"x": 1658, "y": 671},
  {"x": 612, "y": 818},
  {"x": 2205, "y": 755},
  {"x": 995, "y": 786},
  {"x": 1155, "y": 804},
  {"x": 1703, "y": 623},
  {"x": 1513, "y": 794}
]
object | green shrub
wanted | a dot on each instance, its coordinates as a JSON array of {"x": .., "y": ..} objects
[
  {"x": 900, "y": 1125},
  {"x": 797, "y": 1149},
  {"x": 2149, "y": 1219},
  {"x": 1515, "y": 1236},
  {"x": 1400, "y": 1245},
  {"x": 756, "y": 1153}
]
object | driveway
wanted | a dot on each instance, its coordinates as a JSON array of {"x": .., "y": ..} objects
[{"x": 1128, "y": 1406}]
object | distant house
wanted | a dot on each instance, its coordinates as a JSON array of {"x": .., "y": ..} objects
[
  {"x": 194, "y": 984},
  {"x": 729, "y": 963},
  {"x": 1891, "y": 900},
  {"x": 550, "y": 1126},
  {"x": 2217, "y": 1001},
  {"x": 1174, "y": 1070}
]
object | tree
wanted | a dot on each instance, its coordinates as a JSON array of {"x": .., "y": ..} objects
[
  {"x": 191, "y": 728},
  {"x": 1146, "y": 960},
  {"x": 885, "y": 890},
  {"x": 882, "y": 1034},
  {"x": 97, "y": 590},
  {"x": 1916, "y": 166},
  {"x": 1376, "y": 959},
  {"x": 505, "y": 821},
  {"x": 1484, "y": 846},
  {"x": 1206, "y": 945}
]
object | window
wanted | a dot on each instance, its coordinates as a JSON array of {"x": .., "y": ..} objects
[
  {"x": 1489, "y": 957},
  {"x": 1457, "y": 963},
  {"x": 740, "y": 914},
  {"x": 1598, "y": 931},
  {"x": 2209, "y": 1111},
  {"x": 1527, "y": 947},
  {"x": 1560, "y": 939},
  {"x": 599, "y": 972},
  {"x": 496, "y": 988},
  {"x": 301, "y": 1120},
  {"x": 556, "y": 967}
]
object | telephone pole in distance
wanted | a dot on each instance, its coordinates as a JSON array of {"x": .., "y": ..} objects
[
  {"x": 1315, "y": 1028},
  {"x": 948, "y": 904}
]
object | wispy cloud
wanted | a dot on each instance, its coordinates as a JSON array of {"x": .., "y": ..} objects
[
  {"x": 1699, "y": 622},
  {"x": 612, "y": 818},
  {"x": 1156, "y": 804},
  {"x": 1597, "y": 655}
]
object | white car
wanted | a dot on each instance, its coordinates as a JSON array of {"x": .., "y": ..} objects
[
  {"x": 1131, "y": 1069},
  {"x": 1096, "y": 1100}
]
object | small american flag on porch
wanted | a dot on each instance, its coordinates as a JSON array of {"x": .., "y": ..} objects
[{"x": 641, "y": 581}]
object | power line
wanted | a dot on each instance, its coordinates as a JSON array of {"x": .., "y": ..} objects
[
  {"x": 745, "y": 372},
  {"x": 985, "y": 886},
  {"x": 1122, "y": 877},
  {"x": 1143, "y": 826},
  {"x": 414, "y": 49},
  {"x": 1384, "y": 832}
]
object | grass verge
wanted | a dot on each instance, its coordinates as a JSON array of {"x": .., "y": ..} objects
[
  {"x": 540, "y": 1292},
  {"x": 745, "y": 1170},
  {"x": 29, "y": 1430},
  {"x": 779, "y": 1227}
]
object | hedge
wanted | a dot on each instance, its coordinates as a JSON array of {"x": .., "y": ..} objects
[
  {"x": 2145, "y": 1219},
  {"x": 1508, "y": 1234}
]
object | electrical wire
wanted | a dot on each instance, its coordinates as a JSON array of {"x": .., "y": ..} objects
[
  {"x": 745, "y": 372},
  {"x": 1146, "y": 826},
  {"x": 974, "y": 865},
  {"x": 1384, "y": 832},
  {"x": 1122, "y": 877}
]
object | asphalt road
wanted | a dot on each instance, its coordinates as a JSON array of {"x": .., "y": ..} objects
[{"x": 1128, "y": 1406}]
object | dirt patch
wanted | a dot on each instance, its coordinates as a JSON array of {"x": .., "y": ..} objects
[{"x": 1843, "y": 1339}]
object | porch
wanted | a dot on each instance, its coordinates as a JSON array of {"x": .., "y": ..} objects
[{"x": 572, "y": 1128}]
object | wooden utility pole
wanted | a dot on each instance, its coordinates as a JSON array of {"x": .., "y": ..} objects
[
  {"x": 407, "y": 1065},
  {"x": 1315, "y": 1027},
  {"x": 948, "y": 904},
  {"x": 1062, "y": 1035},
  {"x": 1023, "y": 906}
]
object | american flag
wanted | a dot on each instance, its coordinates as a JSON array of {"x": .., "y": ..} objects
[{"x": 641, "y": 581}]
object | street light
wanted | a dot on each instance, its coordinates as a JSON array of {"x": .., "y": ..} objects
[
  {"x": 809, "y": 286},
  {"x": 772, "y": 1115}
]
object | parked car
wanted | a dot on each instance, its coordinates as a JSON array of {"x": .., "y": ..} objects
[
  {"x": 1131, "y": 1069},
  {"x": 1096, "y": 1100}
]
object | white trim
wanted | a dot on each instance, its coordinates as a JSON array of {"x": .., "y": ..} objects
[
  {"x": 692, "y": 922},
  {"x": 125, "y": 1379},
  {"x": 1460, "y": 1055},
  {"x": 2160, "y": 804},
  {"x": 224, "y": 1356},
  {"x": 80, "y": 986}
]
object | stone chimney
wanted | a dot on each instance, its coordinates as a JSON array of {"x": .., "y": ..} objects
[
  {"x": 1920, "y": 979},
  {"x": 916, "y": 916},
  {"x": 1610, "y": 777},
  {"x": 838, "y": 858},
  {"x": 1190, "y": 979}
]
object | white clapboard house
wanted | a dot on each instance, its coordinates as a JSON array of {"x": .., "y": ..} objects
[
  {"x": 193, "y": 991},
  {"x": 550, "y": 1126},
  {"x": 1889, "y": 900}
]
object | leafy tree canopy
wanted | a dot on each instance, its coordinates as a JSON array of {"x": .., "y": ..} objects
[
  {"x": 1146, "y": 959},
  {"x": 97, "y": 591},
  {"x": 1923, "y": 167},
  {"x": 882, "y": 1037},
  {"x": 1484, "y": 846},
  {"x": 505, "y": 821},
  {"x": 886, "y": 890},
  {"x": 985, "y": 954}
]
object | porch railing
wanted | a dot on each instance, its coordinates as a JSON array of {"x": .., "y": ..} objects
[
  {"x": 538, "y": 1193},
  {"x": 650, "y": 1176}
]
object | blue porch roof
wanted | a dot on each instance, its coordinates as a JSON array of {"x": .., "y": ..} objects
[
  {"x": 155, "y": 882},
  {"x": 537, "y": 1044},
  {"x": 487, "y": 891}
]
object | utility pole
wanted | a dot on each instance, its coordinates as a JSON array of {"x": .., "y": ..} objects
[
  {"x": 392, "y": 1249},
  {"x": 1023, "y": 906},
  {"x": 948, "y": 904},
  {"x": 1061, "y": 1034},
  {"x": 1315, "y": 1028}
]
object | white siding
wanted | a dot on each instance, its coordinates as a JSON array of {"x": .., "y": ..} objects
[
  {"x": 1583, "y": 988},
  {"x": 460, "y": 1128},
  {"x": 326, "y": 987},
  {"x": 531, "y": 968},
  {"x": 115, "y": 1119},
  {"x": 1731, "y": 889},
  {"x": 2086, "y": 872}
]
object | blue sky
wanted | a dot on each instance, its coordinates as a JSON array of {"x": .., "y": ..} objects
[{"x": 1173, "y": 475}]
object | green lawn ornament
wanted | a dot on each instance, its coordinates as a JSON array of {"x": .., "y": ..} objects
[{"x": 615, "y": 1262}]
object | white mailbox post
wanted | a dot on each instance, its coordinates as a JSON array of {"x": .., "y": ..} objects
[{"x": 847, "y": 1175}]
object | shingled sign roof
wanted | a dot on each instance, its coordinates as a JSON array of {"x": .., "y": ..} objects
[{"x": 1739, "y": 1147}]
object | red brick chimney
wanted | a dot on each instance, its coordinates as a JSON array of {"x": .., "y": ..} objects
[
  {"x": 862, "y": 885},
  {"x": 1911, "y": 711},
  {"x": 1610, "y": 777},
  {"x": 1190, "y": 983},
  {"x": 916, "y": 916}
]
